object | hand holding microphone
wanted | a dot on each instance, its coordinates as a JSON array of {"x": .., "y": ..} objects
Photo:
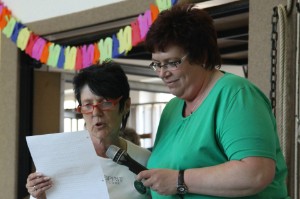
[{"x": 121, "y": 157}]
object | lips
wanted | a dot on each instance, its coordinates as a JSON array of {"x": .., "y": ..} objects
[
  {"x": 98, "y": 125},
  {"x": 170, "y": 83}
]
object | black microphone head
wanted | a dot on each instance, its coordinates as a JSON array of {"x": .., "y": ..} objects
[{"x": 114, "y": 153}]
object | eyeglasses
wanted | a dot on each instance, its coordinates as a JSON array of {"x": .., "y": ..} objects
[
  {"x": 170, "y": 66},
  {"x": 103, "y": 105}
]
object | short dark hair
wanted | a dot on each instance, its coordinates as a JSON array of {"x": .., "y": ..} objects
[
  {"x": 107, "y": 80},
  {"x": 189, "y": 28}
]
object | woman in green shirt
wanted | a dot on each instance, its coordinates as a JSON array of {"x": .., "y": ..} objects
[{"x": 217, "y": 138}]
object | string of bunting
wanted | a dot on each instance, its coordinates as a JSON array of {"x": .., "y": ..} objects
[{"x": 77, "y": 57}]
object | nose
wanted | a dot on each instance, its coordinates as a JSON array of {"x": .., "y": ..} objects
[
  {"x": 97, "y": 111},
  {"x": 162, "y": 72}
]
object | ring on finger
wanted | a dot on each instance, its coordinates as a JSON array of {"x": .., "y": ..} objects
[{"x": 34, "y": 188}]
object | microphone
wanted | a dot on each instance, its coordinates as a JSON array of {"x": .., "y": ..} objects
[{"x": 121, "y": 157}]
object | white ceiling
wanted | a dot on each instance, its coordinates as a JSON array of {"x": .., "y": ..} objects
[
  {"x": 34, "y": 10},
  {"x": 45, "y": 9}
]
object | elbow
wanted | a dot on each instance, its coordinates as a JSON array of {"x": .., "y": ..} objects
[
  {"x": 261, "y": 173},
  {"x": 261, "y": 181}
]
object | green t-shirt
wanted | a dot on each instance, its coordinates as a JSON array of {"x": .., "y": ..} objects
[{"x": 235, "y": 121}]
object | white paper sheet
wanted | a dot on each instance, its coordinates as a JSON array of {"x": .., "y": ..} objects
[{"x": 71, "y": 162}]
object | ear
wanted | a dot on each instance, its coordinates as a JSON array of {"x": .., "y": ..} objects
[{"x": 127, "y": 105}]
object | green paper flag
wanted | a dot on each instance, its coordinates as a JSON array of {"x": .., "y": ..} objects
[
  {"x": 124, "y": 37},
  {"x": 23, "y": 38},
  {"x": 9, "y": 28},
  {"x": 105, "y": 47},
  {"x": 70, "y": 55}
]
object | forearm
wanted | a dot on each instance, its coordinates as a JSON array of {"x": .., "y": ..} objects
[{"x": 231, "y": 179}]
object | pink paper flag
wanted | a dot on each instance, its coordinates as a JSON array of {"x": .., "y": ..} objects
[
  {"x": 145, "y": 22},
  {"x": 38, "y": 48}
]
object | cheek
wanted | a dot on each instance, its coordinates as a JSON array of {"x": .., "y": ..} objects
[
  {"x": 88, "y": 121},
  {"x": 115, "y": 120},
  {"x": 186, "y": 80}
]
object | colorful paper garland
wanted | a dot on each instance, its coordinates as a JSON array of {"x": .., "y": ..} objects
[{"x": 77, "y": 57}]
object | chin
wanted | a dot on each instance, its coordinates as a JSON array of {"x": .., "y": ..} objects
[
  {"x": 98, "y": 134},
  {"x": 173, "y": 92}
]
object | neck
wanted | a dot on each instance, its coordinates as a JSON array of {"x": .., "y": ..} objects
[
  {"x": 101, "y": 146},
  {"x": 202, "y": 94}
]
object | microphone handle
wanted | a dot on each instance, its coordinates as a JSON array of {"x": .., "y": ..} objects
[
  {"x": 136, "y": 168},
  {"x": 133, "y": 165}
]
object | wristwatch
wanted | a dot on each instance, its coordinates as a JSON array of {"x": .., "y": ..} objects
[{"x": 181, "y": 187}]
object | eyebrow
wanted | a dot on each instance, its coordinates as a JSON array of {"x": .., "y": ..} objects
[
  {"x": 168, "y": 59},
  {"x": 92, "y": 100}
]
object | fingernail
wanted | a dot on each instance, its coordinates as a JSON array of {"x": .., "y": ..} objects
[{"x": 46, "y": 178}]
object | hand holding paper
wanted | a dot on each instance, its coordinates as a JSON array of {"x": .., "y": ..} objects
[{"x": 71, "y": 162}]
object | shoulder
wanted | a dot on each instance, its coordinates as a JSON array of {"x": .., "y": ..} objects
[
  {"x": 230, "y": 79},
  {"x": 233, "y": 84}
]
